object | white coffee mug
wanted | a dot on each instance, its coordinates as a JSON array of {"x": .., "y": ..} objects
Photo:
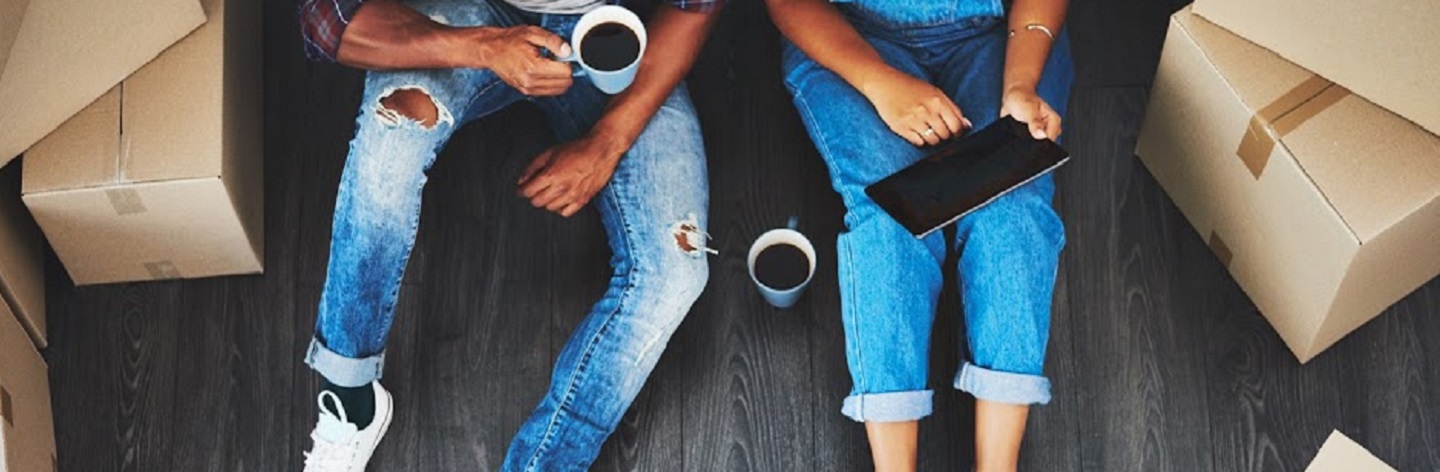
[
  {"x": 613, "y": 81},
  {"x": 782, "y": 298}
]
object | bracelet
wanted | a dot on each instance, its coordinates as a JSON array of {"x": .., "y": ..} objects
[{"x": 1037, "y": 27}]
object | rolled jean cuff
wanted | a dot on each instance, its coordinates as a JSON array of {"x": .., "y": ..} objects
[
  {"x": 1003, "y": 387},
  {"x": 344, "y": 371},
  {"x": 889, "y": 407}
]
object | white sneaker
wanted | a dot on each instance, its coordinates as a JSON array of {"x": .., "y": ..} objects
[{"x": 340, "y": 446}]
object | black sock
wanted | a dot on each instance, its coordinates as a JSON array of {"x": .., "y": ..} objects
[{"x": 359, "y": 402}]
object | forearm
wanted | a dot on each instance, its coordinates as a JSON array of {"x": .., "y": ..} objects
[
  {"x": 675, "y": 39},
  {"x": 823, "y": 33},
  {"x": 1028, "y": 50},
  {"x": 385, "y": 34}
]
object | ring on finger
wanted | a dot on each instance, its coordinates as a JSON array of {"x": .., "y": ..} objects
[{"x": 928, "y": 132}]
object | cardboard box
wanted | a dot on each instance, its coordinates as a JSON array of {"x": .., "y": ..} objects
[
  {"x": 22, "y": 258},
  {"x": 1383, "y": 51},
  {"x": 1323, "y": 206},
  {"x": 27, "y": 430},
  {"x": 1340, "y": 454},
  {"x": 56, "y": 57},
  {"x": 177, "y": 191}
]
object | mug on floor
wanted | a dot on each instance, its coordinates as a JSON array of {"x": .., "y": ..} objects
[{"x": 782, "y": 262}]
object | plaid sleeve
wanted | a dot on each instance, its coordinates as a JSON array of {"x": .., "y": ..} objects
[
  {"x": 322, "y": 22},
  {"x": 699, "y": 6}
]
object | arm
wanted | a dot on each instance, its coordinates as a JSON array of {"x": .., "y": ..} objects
[
  {"x": 679, "y": 35},
  {"x": 564, "y": 178},
  {"x": 1025, "y": 59},
  {"x": 909, "y": 106},
  {"x": 384, "y": 34}
]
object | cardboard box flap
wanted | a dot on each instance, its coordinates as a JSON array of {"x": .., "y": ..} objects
[
  {"x": 160, "y": 124},
  {"x": 27, "y": 428},
  {"x": 68, "y": 53},
  {"x": 90, "y": 142},
  {"x": 1341, "y": 454},
  {"x": 1383, "y": 51},
  {"x": 182, "y": 89},
  {"x": 1374, "y": 167},
  {"x": 12, "y": 13},
  {"x": 1259, "y": 78}
]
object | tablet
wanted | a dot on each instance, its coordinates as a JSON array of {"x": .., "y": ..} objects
[{"x": 965, "y": 174}]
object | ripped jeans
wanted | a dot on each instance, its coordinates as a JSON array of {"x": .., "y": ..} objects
[{"x": 653, "y": 210}]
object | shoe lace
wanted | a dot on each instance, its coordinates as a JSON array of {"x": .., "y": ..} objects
[{"x": 328, "y": 456}]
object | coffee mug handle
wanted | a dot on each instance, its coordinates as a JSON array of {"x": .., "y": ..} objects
[
  {"x": 574, "y": 59},
  {"x": 794, "y": 223}
]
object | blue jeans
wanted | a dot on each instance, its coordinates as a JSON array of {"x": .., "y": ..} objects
[
  {"x": 889, "y": 280},
  {"x": 658, "y": 193}
]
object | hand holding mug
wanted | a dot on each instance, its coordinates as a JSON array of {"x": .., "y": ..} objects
[{"x": 517, "y": 55}]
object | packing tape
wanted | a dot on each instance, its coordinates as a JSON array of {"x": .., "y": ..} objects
[
  {"x": 162, "y": 270},
  {"x": 1282, "y": 116},
  {"x": 1221, "y": 250},
  {"x": 126, "y": 201},
  {"x": 7, "y": 409}
]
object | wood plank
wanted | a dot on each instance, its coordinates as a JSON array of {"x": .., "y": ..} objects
[
  {"x": 1136, "y": 313},
  {"x": 121, "y": 356},
  {"x": 484, "y": 345},
  {"x": 745, "y": 371},
  {"x": 1117, "y": 42},
  {"x": 1420, "y": 449},
  {"x": 1271, "y": 413}
]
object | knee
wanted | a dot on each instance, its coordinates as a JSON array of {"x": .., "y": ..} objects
[
  {"x": 680, "y": 281},
  {"x": 383, "y": 184},
  {"x": 395, "y": 144},
  {"x": 410, "y": 105},
  {"x": 1026, "y": 218},
  {"x": 684, "y": 270},
  {"x": 670, "y": 282}
]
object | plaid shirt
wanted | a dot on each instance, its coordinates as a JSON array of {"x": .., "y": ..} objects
[{"x": 323, "y": 22}]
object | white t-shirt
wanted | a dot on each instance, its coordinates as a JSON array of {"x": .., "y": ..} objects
[{"x": 558, "y": 7}]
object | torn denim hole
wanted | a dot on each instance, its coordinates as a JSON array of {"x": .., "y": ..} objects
[
  {"x": 689, "y": 238},
  {"x": 393, "y": 117}
]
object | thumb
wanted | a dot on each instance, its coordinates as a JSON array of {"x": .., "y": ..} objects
[
  {"x": 540, "y": 162},
  {"x": 1037, "y": 127}
]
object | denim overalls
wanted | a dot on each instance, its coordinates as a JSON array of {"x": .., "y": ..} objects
[{"x": 889, "y": 280}]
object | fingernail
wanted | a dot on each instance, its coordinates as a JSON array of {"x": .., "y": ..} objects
[
  {"x": 564, "y": 50},
  {"x": 1040, "y": 134}
]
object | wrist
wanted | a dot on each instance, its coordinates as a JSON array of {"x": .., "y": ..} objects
[
  {"x": 613, "y": 142},
  {"x": 468, "y": 47},
  {"x": 1027, "y": 88},
  {"x": 868, "y": 80}
]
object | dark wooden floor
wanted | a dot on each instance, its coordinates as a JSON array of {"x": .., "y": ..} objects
[{"x": 1160, "y": 362}]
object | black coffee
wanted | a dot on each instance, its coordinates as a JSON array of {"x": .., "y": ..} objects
[
  {"x": 782, "y": 266},
  {"x": 610, "y": 47}
]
